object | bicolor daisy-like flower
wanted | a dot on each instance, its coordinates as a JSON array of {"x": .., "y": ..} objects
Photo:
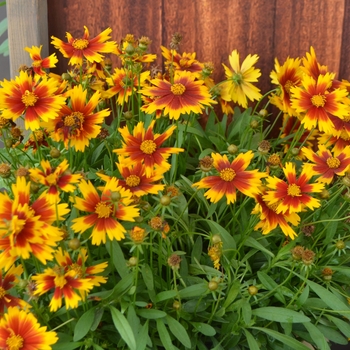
[
  {"x": 184, "y": 62},
  {"x": 80, "y": 266},
  {"x": 327, "y": 165},
  {"x": 20, "y": 330},
  {"x": 106, "y": 210},
  {"x": 232, "y": 176},
  {"x": 286, "y": 76},
  {"x": 338, "y": 142},
  {"x": 238, "y": 87},
  {"x": 270, "y": 219},
  {"x": 35, "y": 100},
  {"x": 124, "y": 83},
  {"x": 135, "y": 180},
  {"x": 314, "y": 101},
  {"x": 39, "y": 64},
  {"x": 292, "y": 195},
  {"x": 145, "y": 146},
  {"x": 66, "y": 284},
  {"x": 6, "y": 283},
  {"x": 37, "y": 139},
  {"x": 311, "y": 67},
  {"x": 55, "y": 178},
  {"x": 183, "y": 96},
  {"x": 78, "y": 122},
  {"x": 26, "y": 228},
  {"x": 78, "y": 48}
]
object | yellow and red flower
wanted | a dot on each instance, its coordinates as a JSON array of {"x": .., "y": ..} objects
[
  {"x": 124, "y": 83},
  {"x": 105, "y": 211},
  {"x": 6, "y": 283},
  {"x": 314, "y": 101},
  {"x": 311, "y": 67},
  {"x": 25, "y": 227},
  {"x": 270, "y": 219},
  {"x": 78, "y": 124},
  {"x": 55, "y": 178},
  {"x": 36, "y": 100},
  {"x": 20, "y": 330},
  {"x": 327, "y": 165},
  {"x": 238, "y": 87},
  {"x": 292, "y": 196},
  {"x": 145, "y": 146},
  {"x": 78, "y": 48},
  {"x": 286, "y": 76},
  {"x": 39, "y": 64},
  {"x": 183, "y": 96},
  {"x": 232, "y": 176}
]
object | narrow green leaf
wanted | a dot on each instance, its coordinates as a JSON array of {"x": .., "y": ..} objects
[
  {"x": 194, "y": 291},
  {"x": 279, "y": 314},
  {"x": 122, "y": 326},
  {"x": 165, "y": 295},
  {"x": 289, "y": 341},
  {"x": 97, "y": 319},
  {"x": 232, "y": 294},
  {"x": 270, "y": 284},
  {"x": 343, "y": 326},
  {"x": 227, "y": 239},
  {"x": 197, "y": 250},
  {"x": 253, "y": 243},
  {"x": 179, "y": 331},
  {"x": 246, "y": 312},
  {"x": 164, "y": 335},
  {"x": 67, "y": 346},
  {"x": 317, "y": 336},
  {"x": 142, "y": 337},
  {"x": 84, "y": 324},
  {"x": 147, "y": 276},
  {"x": 121, "y": 287},
  {"x": 204, "y": 328},
  {"x": 117, "y": 257},
  {"x": 252, "y": 343},
  {"x": 304, "y": 296},
  {"x": 330, "y": 299},
  {"x": 332, "y": 335},
  {"x": 151, "y": 314}
]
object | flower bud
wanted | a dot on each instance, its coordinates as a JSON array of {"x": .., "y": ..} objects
[
  {"x": 115, "y": 196},
  {"x": 346, "y": 181},
  {"x": 176, "y": 305},
  {"x": 165, "y": 200},
  {"x": 252, "y": 290},
  {"x": 34, "y": 187},
  {"x": 128, "y": 115},
  {"x": 263, "y": 113},
  {"x": 216, "y": 239},
  {"x": 254, "y": 124},
  {"x": 232, "y": 149},
  {"x": 5, "y": 170},
  {"x": 213, "y": 285},
  {"x": 74, "y": 244},
  {"x": 55, "y": 153},
  {"x": 133, "y": 261}
]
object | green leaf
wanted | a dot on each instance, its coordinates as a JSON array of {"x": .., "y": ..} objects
[
  {"x": 122, "y": 326},
  {"x": 142, "y": 337},
  {"x": 332, "y": 335},
  {"x": 252, "y": 343},
  {"x": 197, "y": 250},
  {"x": 121, "y": 287},
  {"x": 151, "y": 313},
  {"x": 84, "y": 324},
  {"x": 270, "y": 284},
  {"x": 204, "y": 328},
  {"x": 179, "y": 331},
  {"x": 118, "y": 257},
  {"x": 193, "y": 291},
  {"x": 246, "y": 312},
  {"x": 165, "y": 295},
  {"x": 147, "y": 276},
  {"x": 97, "y": 319},
  {"x": 67, "y": 346},
  {"x": 232, "y": 293},
  {"x": 280, "y": 314},
  {"x": 304, "y": 296},
  {"x": 253, "y": 243},
  {"x": 343, "y": 326},
  {"x": 289, "y": 341},
  {"x": 330, "y": 299},
  {"x": 317, "y": 336},
  {"x": 164, "y": 335}
]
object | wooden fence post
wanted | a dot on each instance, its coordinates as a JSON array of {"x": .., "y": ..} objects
[{"x": 27, "y": 26}]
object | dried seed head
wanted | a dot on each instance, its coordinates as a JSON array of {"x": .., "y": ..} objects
[{"x": 206, "y": 163}]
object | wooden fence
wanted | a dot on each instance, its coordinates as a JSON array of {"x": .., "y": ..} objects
[{"x": 211, "y": 28}]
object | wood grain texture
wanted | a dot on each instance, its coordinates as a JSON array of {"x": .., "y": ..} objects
[
  {"x": 27, "y": 26},
  {"x": 213, "y": 28}
]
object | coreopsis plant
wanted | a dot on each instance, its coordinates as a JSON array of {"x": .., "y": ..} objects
[{"x": 127, "y": 222}]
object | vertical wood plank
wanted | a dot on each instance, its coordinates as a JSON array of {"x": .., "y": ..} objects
[
  {"x": 344, "y": 69},
  {"x": 27, "y": 26}
]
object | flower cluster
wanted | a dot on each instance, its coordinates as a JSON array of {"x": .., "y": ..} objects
[{"x": 119, "y": 202}]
